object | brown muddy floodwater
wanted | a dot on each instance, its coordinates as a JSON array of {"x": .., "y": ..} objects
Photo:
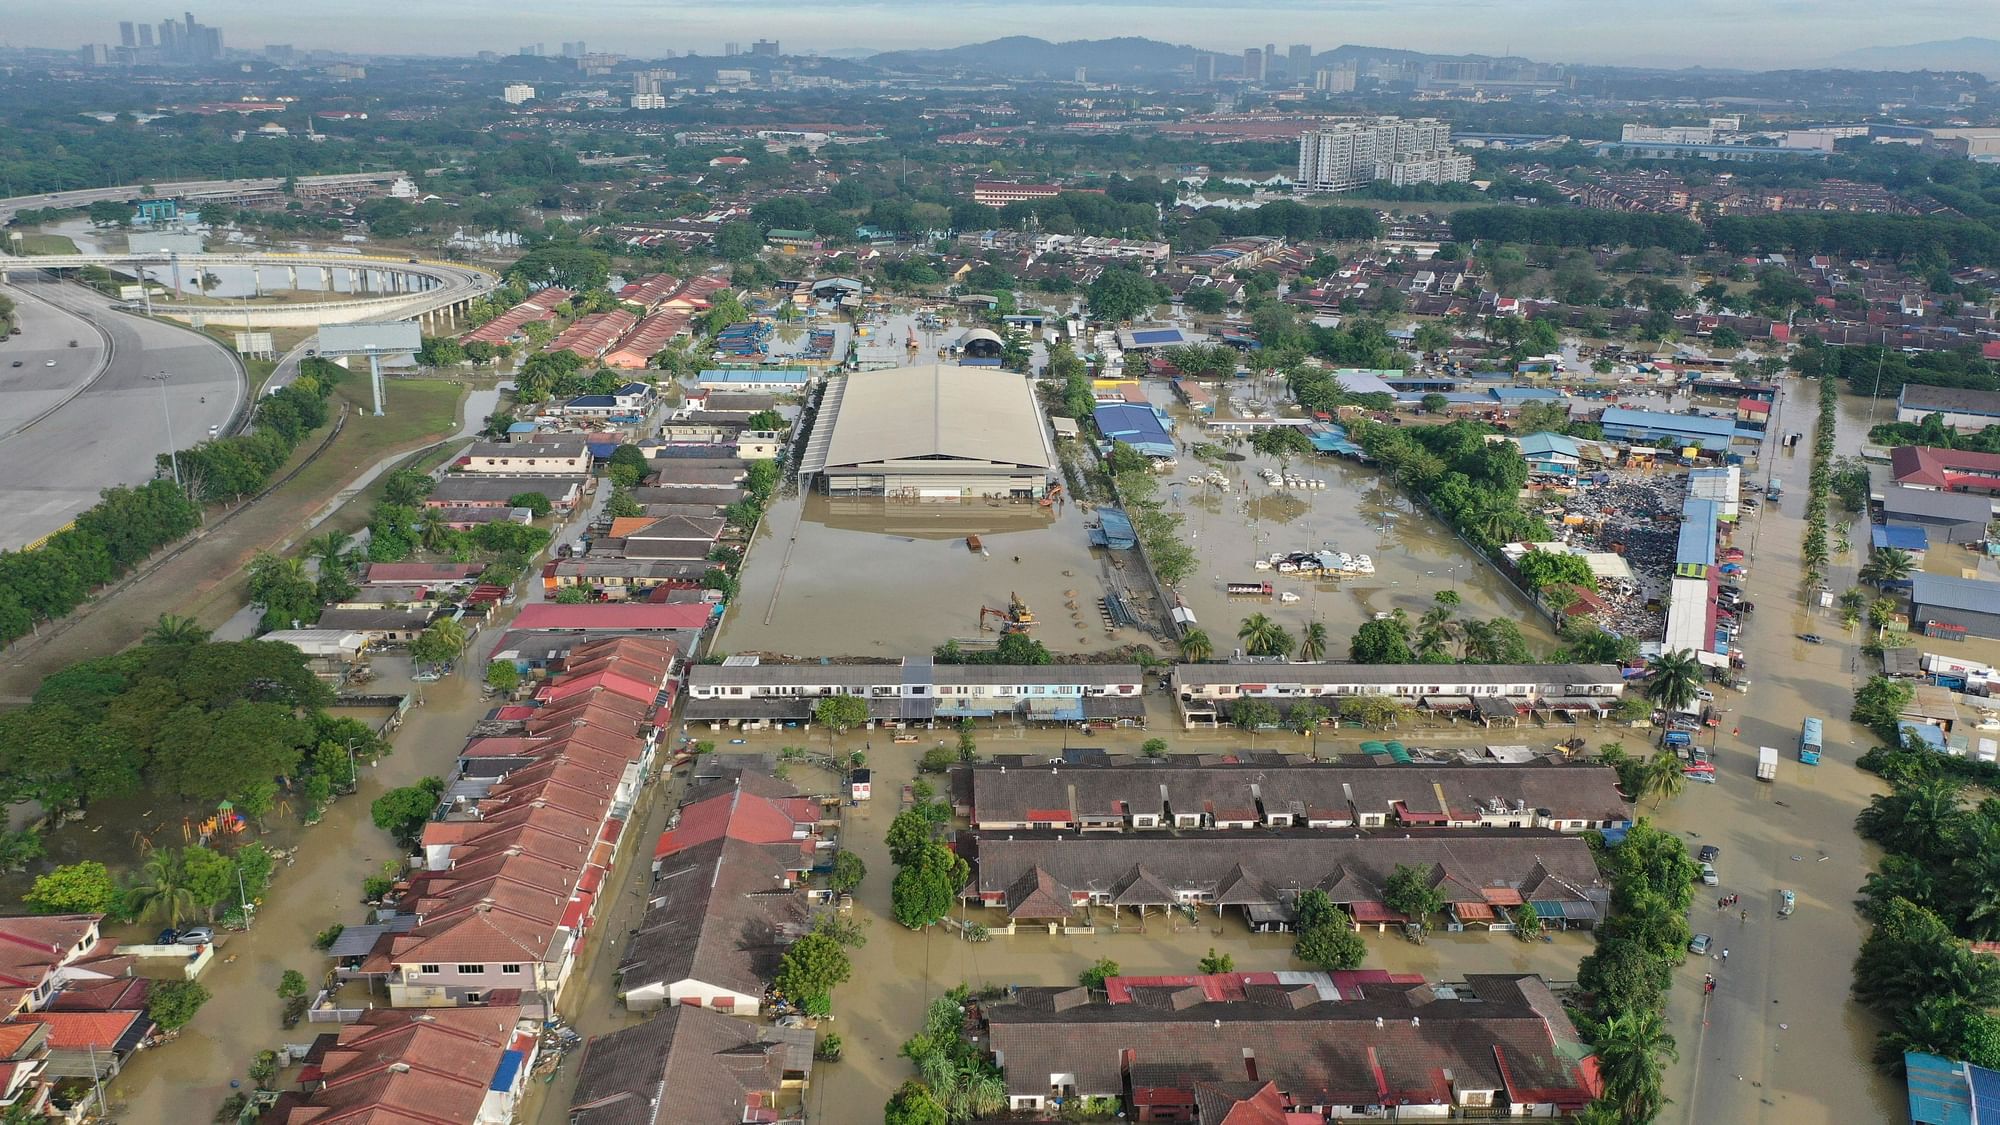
[{"x": 841, "y": 576}]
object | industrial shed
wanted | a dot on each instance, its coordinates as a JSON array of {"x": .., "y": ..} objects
[
  {"x": 933, "y": 431},
  {"x": 1944, "y": 606},
  {"x": 1946, "y": 517}
]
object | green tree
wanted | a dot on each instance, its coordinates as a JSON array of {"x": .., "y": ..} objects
[
  {"x": 1880, "y": 704},
  {"x": 406, "y": 487},
  {"x": 913, "y": 1104},
  {"x": 1253, "y": 714},
  {"x": 1325, "y": 936},
  {"x": 1409, "y": 892},
  {"x": 440, "y": 643},
  {"x": 502, "y": 676},
  {"x": 538, "y": 504},
  {"x": 291, "y": 983},
  {"x": 84, "y": 887},
  {"x": 1154, "y": 748},
  {"x": 173, "y": 1003},
  {"x": 838, "y": 713},
  {"x": 1888, "y": 565},
  {"x": 1206, "y": 299},
  {"x": 924, "y": 890},
  {"x": 810, "y": 970},
  {"x": 1216, "y": 963},
  {"x": 628, "y": 466},
  {"x": 403, "y": 812},
  {"x": 1103, "y": 969},
  {"x": 847, "y": 873},
  {"x": 908, "y": 833},
  {"x": 1543, "y": 569},
  {"x": 210, "y": 878},
  {"x": 1121, "y": 294},
  {"x": 1381, "y": 642}
]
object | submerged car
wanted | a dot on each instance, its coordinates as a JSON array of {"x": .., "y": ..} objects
[
  {"x": 1708, "y": 875},
  {"x": 1708, "y": 853},
  {"x": 1699, "y": 944}
]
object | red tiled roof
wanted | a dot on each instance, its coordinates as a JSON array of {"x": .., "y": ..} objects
[
  {"x": 77, "y": 1031},
  {"x": 740, "y": 816}
]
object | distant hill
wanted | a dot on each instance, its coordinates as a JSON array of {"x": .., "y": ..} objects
[
  {"x": 1970, "y": 53},
  {"x": 1024, "y": 56}
]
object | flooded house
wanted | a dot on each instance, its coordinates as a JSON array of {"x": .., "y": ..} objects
[
  {"x": 745, "y": 691},
  {"x": 465, "y": 1065},
  {"x": 1045, "y": 879},
  {"x": 1493, "y": 692},
  {"x": 1137, "y": 796},
  {"x": 729, "y": 895},
  {"x": 693, "y": 1065},
  {"x": 1268, "y": 1046}
]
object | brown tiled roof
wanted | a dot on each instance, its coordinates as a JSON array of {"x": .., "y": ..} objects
[
  {"x": 684, "y": 1066},
  {"x": 1265, "y": 867},
  {"x": 1320, "y": 1046},
  {"x": 1037, "y": 894},
  {"x": 720, "y": 915}
]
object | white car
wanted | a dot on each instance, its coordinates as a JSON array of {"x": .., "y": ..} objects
[
  {"x": 1705, "y": 695},
  {"x": 48, "y": 363}
]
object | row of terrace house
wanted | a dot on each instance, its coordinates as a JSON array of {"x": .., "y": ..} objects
[
  {"x": 503, "y": 888},
  {"x": 1073, "y": 882},
  {"x": 1496, "y": 693},
  {"x": 743, "y": 691},
  {"x": 1289, "y": 1048},
  {"x": 730, "y": 892},
  {"x": 1168, "y": 795}
]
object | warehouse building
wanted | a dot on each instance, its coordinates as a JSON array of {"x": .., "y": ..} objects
[
  {"x": 1963, "y": 409},
  {"x": 930, "y": 432},
  {"x": 1954, "y": 607},
  {"x": 1945, "y": 517}
]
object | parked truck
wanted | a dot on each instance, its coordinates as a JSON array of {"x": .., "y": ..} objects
[{"x": 1767, "y": 763}]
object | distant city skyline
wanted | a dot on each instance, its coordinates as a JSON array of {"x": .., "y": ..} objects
[{"x": 1723, "y": 33}]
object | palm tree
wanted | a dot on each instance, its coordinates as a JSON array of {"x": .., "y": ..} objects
[
  {"x": 327, "y": 549},
  {"x": 432, "y": 530},
  {"x": 1663, "y": 777},
  {"x": 1672, "y": 679},
  {"x": 1888, "y": 565},
  {"x": 1195, "y": 646},
  {"x": 1977, "y": 874},
  {"x": 1633, "y": 1048},
  {"x": 1312, "y": 647},
  {"x": 1262, "y": 636},
  {"x": 170, "y": 630},
  {"x": 162, "y": 892},
  {"x": 1435, "y": 632},
  {"x": 1476, "y": 640},
  {"x": 1880, "y": 611},
  {"x": 1853, "y": 600}
]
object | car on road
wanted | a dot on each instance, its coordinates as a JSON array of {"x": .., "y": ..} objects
[
  {"x": 49, "y": 363},
  {"x": 1708, "y": 875},
  {"x": 1811, "y": 638},
  {"x": 1705, "y": 695},
  {"x": 17, "y": 363},
  {"x": 1709, "y": 852},
  {"x": 1787, "y": 901},
  {"x": 196, "y": 935},
  {"x": 1700, "y": 944}
]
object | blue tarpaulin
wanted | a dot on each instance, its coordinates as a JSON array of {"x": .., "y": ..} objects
[
  {"x": 510, "y": 1067},
  {"x": 1901, "y": 537},
  {"x": 1114, "y": 531}
]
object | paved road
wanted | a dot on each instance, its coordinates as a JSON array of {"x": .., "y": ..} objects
[
  {"x": 111, "y": 430},
  {"x": 179, "y": 189},
  {"x": 1780, "y": 1041}
]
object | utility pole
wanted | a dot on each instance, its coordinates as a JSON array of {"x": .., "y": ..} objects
[{"x": 173, "y": 457}]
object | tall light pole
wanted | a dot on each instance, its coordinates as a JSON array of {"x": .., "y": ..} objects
[{"x": 173, "y": 458}]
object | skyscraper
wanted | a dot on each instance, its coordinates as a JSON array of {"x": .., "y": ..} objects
[
  {"x": 1253, "y": 65},
  {"x": 1298, "y": 67},
  {"x": 145, "y": 35},
  {"x": 128, "y": 36},
  {"x": 1204, "y": 67},
  {"x": 765, "y": 47}
]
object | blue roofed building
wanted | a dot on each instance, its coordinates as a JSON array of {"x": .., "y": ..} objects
[
  {"x": 1113, "y": 530},
  {"x": 1697, "y": 540},
  {"x": 1142, "y": 339},
  {"x": 1677, "y": 431},
  {"x": 1329, "y": 438},
  {"x": 1550, "y": 452},
  {"x": 1142, "y": 426},
  {"x": 1915, "y": 540},
  {"x": 1943, "y": 1092}
]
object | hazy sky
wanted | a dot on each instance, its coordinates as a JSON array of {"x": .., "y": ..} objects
[{"x": 1673, "y": 32}]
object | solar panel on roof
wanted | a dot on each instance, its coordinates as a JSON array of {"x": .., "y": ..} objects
[{"x": 1156, "y": 335}]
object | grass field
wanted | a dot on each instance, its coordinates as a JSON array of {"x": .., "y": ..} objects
[{"x": 47, "y": 244}]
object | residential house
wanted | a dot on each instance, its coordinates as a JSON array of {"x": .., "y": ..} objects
[
  {"x": 674, "y": 537},
  {"x": 379, "y": 626},
  {"x": 1280, "y": 1048},
  {"x": 1945, "y": 470},
  {"x": 486, "y": 490},
  {"x": 1146, "y": 795},
  {"x": 746, "y": 691},
  {"x": 589, "y": 337},
  {"x": 42, "y": 954},
  {"x": 622, "y": 579},
  {"x": 550, "y": 458},
  {"x": 1496, "y": 692},
  {"x": 1042, "y": 878},
  {"x": 461, "y": 1065},
  {"x": 690, "y": 1066},
  {"x": 430, "y": 576}
]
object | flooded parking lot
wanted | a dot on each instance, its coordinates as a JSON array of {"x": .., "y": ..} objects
[{"x": 864, "y": 576}]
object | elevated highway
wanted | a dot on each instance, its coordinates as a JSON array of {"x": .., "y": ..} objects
[
  {"x": 196, "y": 191},
  {"x": 384, "y": 288}
]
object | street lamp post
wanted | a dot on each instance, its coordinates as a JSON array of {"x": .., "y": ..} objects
[{"x": 173, "y": 457}]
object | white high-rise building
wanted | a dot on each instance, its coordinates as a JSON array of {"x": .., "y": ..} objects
[
  {"x": 1355, "y": 153},
  {"x": 517, "y": 92}
]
